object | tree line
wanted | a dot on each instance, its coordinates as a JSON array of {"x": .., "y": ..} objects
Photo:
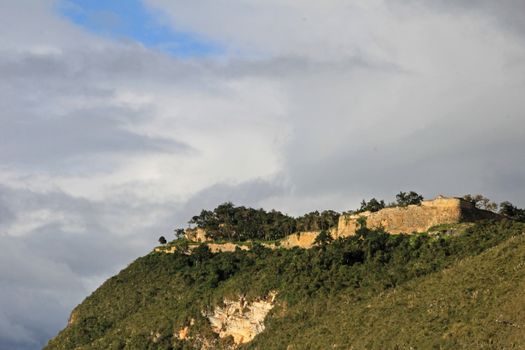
[
  {"x": 240, "y": 223},
  {"x": 230, "y": 222}
]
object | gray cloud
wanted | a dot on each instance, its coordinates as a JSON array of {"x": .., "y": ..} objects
[
  {"x": 249, "y": 193},
  {"x": 84, "y": 132},
  {"x": 38, "y": 130},
  {"x": 46, "y": 272},
  {"x": 451, "y": 159},
  {"x": 6, "y": 215},
  {"x": 507, "y": 13},
  {"x": 105, "y": 145}
]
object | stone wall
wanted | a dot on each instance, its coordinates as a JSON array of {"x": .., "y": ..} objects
[
  {"x": 300, "y": 239},
  {"x": 409, "y": 219},
  {"x": 196, "y": 235},
  {"x": 226, "y": 247},
  {"x": 415, "y": 218}
]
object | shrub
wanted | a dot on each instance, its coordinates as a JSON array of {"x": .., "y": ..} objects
[{"x": 403, "y": 199}]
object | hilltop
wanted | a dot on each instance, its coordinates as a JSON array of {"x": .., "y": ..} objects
[
  {"x": 421, "y": 216},
  {"x": 456, "y": 285}
]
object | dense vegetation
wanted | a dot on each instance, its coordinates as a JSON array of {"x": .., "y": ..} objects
[
  {"x": 505, "y": 208},
  {"x": 510, "y": 210},
  {"x": 228, "y": 222},
  {"x": 335, "y": 295},
  {"x": 372, "y": 205},
  {"x": 402, "y": 200},
  {"x": 239, "y": 223}
]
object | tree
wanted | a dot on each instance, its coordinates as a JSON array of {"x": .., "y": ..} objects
[
  {"x": 361, "y": 230},
  {"x": 508, "y": 209},
  {"x": 179, "y": 232},
  {"x": 372, "y": 205},
  {"x": 323, "y": 238},
  {"x": 162, "y": 240},
  {"x": 202, "y": 252},
  {"x": 328, "y": 219},
  {"x": 403, "y": 199},
  {"x": 481, "y": 202},
  {"x": 183, "y": 246},
  {"x": 229, "y": 222}
]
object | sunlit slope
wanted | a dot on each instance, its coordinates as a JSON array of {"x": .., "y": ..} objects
[
  {"x": 463, "y": 288},
  {"x": 477, "y": 303}
]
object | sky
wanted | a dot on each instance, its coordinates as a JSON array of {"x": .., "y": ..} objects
[{"x": 119, "y": 120}]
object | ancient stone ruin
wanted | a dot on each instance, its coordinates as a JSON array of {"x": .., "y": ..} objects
[
  {"x": 196, "y": 235},
  {"x": 415, "y": 218},
  {"x": 395, "y": 220}
]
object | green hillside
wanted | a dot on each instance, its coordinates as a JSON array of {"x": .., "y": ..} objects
[{"x": 460, "y": 288}]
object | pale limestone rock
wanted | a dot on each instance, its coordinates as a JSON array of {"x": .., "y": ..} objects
[
  {"x": 183, "y": 333},
  {"x": 73, "y": 317},
  {"x": 240, "y": 319},
  {"x": 155, "y": 337}
]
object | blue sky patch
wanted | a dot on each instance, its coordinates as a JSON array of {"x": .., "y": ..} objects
[{"x": 131, "y": 19}]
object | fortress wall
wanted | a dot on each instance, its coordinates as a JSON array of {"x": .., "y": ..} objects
[
  {"x": 225, "y": 247},
  {"x": 413, "y": 218},
  {"x": 409, "y": 219},
  {"x": 301, "y": 240},
  {"x": 196, "y": 235}
]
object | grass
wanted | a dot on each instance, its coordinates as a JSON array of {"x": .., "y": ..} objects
[
  {"x": 450, "y": 228},
  {"x": 476, "y": 303},
  {"x": 379, "y": 291}
]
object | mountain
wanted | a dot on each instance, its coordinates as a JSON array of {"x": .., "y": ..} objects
[{"x": 457, "y": 286}]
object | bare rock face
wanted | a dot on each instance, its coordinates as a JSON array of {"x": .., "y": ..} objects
[
  {"x": 240, "y": 319},
  {"x": 183, "y": 333},
  {"x": 73, "y": 317}
]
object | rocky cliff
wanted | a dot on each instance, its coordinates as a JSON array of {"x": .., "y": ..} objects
[{"x": 240, "y": 319}]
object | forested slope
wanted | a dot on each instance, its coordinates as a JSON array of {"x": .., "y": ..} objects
[{"x": 370, "y": 291}]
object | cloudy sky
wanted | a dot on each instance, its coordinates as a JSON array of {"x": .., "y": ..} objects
[{"x": 121, "y": 119}]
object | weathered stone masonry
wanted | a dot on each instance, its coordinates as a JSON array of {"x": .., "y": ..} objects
[
  {"x": 396, "y": 220},
  {"x": 415, "y": 218}
]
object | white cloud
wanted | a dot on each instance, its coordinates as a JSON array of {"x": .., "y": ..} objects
[
  {"x": 107, "y": 145},
  {"x": 307, "y": 28}
]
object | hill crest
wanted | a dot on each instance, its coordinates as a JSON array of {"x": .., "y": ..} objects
[{"x": 414, "y": 218}]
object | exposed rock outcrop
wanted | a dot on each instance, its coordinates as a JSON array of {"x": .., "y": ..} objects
[
  {"x": 72, "y": 317},
  {"x": 183, "y": 333},
  {"x": 240, "y": 319}
]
